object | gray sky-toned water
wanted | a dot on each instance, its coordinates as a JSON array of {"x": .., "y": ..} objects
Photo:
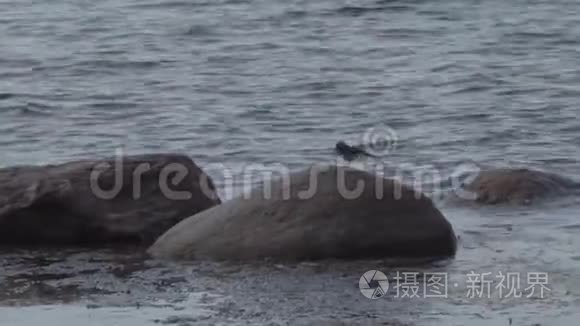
[{"x": 263, "y": 82}]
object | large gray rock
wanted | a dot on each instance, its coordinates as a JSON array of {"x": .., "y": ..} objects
[
  {"x": 127, "y": 199},
  {"x": 324, "y": 222},
  {"x": 515, "y": 186}
]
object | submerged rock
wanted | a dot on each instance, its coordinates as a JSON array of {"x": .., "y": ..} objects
[
  {"x": 126, "y": 199},
  {"x": 318, "y": 213},
  {"x": 516, "y": 186}
]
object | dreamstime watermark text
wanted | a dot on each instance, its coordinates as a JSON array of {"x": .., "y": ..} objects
[{"x": 176, "y": 182}]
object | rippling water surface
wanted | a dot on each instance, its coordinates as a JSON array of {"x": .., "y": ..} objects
[{"x": 241, "y": 82}]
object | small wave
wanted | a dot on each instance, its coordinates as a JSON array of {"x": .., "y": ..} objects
[
  {"x": 398, "y": 2},
  {"x": 295, "y": 14},
  {"x": 440, "y": 15},
  {"x": 5, "y": 96},
  {"x": 27, "y": 110},
  {"x": 144, "y": 64},
  {"x": 98, "y": 65},
  {"x": 379, "y": 6},
  {"x": 518, "y": 91},
  {"x": 470, "y": 89},
  {"x": 409, "y": 33},
  {"x": 35, "y": 109},
  {"x": 571, "y": 227},
  {"x": 113, "y": 105},
  {"x": 259, "y": 46},
  {"x": 476, "y": 82},
  {"x": 445, "y": 67},
  {"x": 356, "y": 11},
  {"x": 473, "y": 116},
  {"x": 533, "y": 35},
  {"x": 200, "y": 30},
  {"x": 563, "y": 41},
  {"x": 505, "y": 226},
  {"x": 15, "y": 63},
  {"x": 184, "y": 4},
  {"x": 559, "y": 160},
  {"x": 317, "y": 86},
  {"x": 169, "y": 4}
]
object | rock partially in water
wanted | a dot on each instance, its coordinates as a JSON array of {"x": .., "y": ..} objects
[
  {"x": 125, "y": 199},
  {"x": 321, "y": 212},
  {"x": 516, "y": 186}
]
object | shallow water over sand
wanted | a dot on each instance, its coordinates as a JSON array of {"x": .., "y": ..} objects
[{"x": 264, "y": 82}]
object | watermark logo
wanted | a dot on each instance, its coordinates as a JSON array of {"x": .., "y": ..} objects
[
  {"x": 503, "y": 285},
  {"x": 373, "y": 284},
  {"x": 380, "y": 140},
  {"x": 507, "y": 285}
]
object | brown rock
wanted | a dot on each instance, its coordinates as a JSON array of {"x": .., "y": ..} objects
[
  {"x": 517, "y": 186},
  {"x": 129, "y": 199},
  {"x": 295, "y": 224}
]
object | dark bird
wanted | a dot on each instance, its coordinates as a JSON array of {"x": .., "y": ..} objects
[{"x": 350, "y": 153}]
